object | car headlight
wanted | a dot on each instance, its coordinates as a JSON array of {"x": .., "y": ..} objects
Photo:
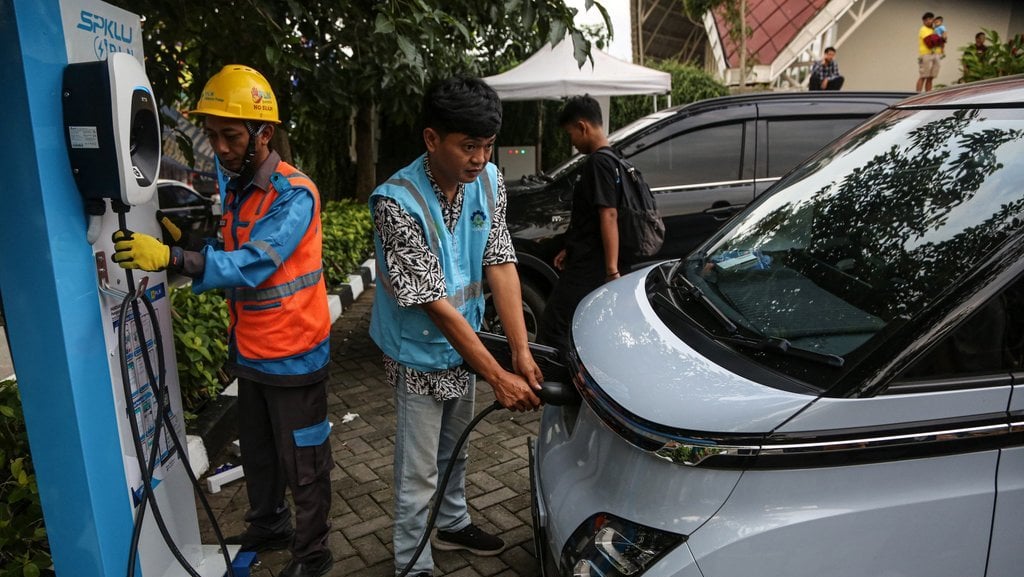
[{"x": 606, "y": 546}]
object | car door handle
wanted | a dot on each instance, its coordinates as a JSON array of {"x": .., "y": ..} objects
[{"x": 722, "y": 210}]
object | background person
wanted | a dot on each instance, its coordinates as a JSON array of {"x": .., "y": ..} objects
[
  {"x": 440, "y": 228},
  {"x": 825, "y": 72},
  {"x": 270, "y": 270},
  {"x": 928, "y": 61},
  {"x": 591, "y": 254}
]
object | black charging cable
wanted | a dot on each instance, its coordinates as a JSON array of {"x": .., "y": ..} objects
[{"x": 160, "y": 395}]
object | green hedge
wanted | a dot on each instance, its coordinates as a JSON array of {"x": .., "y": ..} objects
[
  {"x": 348, "y": 238},
  {"x": 24, "y": 549}
]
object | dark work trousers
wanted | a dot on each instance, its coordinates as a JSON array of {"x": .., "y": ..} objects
[
  {"x": 573, "y": 284},
  {"x": 275, "y": 457}
]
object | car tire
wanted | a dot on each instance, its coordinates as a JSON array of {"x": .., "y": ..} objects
[{"x": 533, "y": 308}]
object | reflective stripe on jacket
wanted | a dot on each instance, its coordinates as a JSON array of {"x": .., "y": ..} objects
[
  {"x": 282, "y": 326},
  {"x": 407, "y": 334}
]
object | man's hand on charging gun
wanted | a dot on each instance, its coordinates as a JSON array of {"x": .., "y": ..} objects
[
  {"x": 141, "y": 251},
  {"x": 525, "y": 366},
  {"x": 514, "y": 392}
]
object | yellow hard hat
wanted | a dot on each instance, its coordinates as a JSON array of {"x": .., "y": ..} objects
[{"x": 240, "y": 92}]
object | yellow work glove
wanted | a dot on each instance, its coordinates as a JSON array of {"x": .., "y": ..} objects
[{"x": 137, "y": 250}]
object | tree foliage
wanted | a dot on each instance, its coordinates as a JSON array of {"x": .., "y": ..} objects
[
  {"x": 689, "y": 84},
  {"x": 329, "y": 60}
]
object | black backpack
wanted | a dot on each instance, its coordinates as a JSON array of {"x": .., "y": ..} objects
[{"x": 641, "y": 230}]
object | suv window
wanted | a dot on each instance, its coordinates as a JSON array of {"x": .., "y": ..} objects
[
  {"x": 792, "y": 141},
  {"x": 706, "y": 155}
]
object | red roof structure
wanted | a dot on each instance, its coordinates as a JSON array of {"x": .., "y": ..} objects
[{"x": 773, "y": 24}]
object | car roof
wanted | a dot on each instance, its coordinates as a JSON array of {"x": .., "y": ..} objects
[
  {"x": 656, "y": 120},
  {"x": 764, "y": 97},
  {"x": 1006, "y": 91},
  {"x": 172, "y": 182}
]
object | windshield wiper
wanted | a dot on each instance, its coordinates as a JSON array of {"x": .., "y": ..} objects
[
  {"x": 783, "y": 346},
  {"x": 698, "y": 295},
  {"x": 767, "y": 344}
]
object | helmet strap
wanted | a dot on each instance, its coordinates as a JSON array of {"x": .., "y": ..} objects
[{"x": 248, "y": 170}]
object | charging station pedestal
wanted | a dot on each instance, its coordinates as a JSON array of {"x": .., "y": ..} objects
[{"x": 61, "y": 294}]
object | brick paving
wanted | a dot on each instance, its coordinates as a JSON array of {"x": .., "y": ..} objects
[{"x": 497, "y": 483}]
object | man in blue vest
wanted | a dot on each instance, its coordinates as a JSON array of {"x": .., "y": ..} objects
[{"x": 440, "y": 228}]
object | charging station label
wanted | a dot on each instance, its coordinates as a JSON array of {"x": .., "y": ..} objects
[
  {"x": 83, "y": 137},
  {"x": 94, "y": 29}
]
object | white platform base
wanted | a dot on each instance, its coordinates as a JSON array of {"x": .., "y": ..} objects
[{"x": 210, "y": 565}]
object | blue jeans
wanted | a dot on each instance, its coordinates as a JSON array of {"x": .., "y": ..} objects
[{"x": 426, "y": 431}]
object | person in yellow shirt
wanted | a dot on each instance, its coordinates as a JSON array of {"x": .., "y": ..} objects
[{"x": 928, "y": 56}]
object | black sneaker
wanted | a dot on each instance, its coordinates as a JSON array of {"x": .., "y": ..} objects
[
  {"x": 258, "y": 541},
  {"x": 471, "y": 538}
]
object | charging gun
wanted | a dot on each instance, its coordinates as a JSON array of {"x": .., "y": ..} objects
[{"x": 557, "y": 388}]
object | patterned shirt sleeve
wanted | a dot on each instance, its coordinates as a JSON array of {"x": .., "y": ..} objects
[
  {"x": 415, "y": 272},
  {"x": 499, "y": 249}
]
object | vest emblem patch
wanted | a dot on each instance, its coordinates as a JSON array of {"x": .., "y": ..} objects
[{"x": 478, "y": 219}]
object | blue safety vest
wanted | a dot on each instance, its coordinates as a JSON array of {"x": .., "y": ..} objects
[{"x": 407, "y": 334}]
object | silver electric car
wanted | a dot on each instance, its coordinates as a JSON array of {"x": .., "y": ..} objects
[{"x": 829, "y": 386}]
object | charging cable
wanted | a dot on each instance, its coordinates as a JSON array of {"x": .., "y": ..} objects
[{"x": 163, "y": 417}]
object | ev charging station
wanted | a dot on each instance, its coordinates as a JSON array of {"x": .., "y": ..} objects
[{"x": 80, "y": 127}]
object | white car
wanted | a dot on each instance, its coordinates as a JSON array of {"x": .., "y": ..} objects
[{"x": 826, "y": 387}]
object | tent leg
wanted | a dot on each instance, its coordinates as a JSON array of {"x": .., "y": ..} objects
[{"x": 540, "y": 136}]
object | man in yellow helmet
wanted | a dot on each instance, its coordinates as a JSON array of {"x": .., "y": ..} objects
[{"x": 269, "y": 266}]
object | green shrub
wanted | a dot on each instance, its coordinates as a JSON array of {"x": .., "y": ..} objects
[
  {"x": 999, "y": 59},
  {"x": 689, "y": 84},
  {"x": 24, "y": 549},
  {"x": 348, "y": 238},
  {"x": 200, "y": 329}
]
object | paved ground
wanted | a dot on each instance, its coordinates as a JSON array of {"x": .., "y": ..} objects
[{"x": 497, "y": 481}]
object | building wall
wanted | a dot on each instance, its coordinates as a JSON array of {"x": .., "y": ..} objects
[{"x": 881, "y": 54}]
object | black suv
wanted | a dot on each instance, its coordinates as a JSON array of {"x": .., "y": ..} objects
[{"x": 704, "y": 161}]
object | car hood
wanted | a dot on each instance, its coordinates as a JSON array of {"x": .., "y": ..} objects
[{"x": 654, "y": 375}]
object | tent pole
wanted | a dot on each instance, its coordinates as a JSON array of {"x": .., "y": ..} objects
[{"x": 540, "y": 136}]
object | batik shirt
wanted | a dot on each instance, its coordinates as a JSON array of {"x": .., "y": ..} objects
[{"x": 417, "y": 277}]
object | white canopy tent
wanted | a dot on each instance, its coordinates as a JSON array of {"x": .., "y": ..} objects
[{"x": 552, "y": 73}]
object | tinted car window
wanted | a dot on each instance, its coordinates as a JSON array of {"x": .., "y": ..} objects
[
  {"x": 713, "y": 154},
  {"x": 872, "y": 234},
  {"x": 990, "y": 341},
  {"x": 792, "y": 141},
  {"x": 175, "y": 196}
]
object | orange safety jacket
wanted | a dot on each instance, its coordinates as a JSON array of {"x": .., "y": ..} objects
[{"x": 286, "y": 317}]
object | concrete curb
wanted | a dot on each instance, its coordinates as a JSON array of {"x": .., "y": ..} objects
[{"x": 217, "y": 425}]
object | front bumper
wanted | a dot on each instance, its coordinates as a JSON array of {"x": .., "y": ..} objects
[{"x": 545, "y": 558}]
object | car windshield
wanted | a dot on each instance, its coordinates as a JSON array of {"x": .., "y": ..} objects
[{"x": 866, "y": 235}]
